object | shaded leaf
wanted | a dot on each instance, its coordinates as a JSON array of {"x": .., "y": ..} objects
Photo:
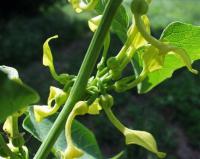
[
  {"x": 14, "y": 95},
  {"x": 82, "y": 136}
]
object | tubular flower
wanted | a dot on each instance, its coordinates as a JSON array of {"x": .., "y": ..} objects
[
  {"x": 48, "y": 61},
  {"x": 135, "y": 37},
  {"x": 81, "y": 5},
  {"x": 56, "y": 95},
  {"x": 134, "y": 41},
  {"x": 153, "y": 54},
  {"x": 156, "y": 53},
  {"x": 81, "y": 108},
  {"x": 140, "y": 138},
  {"x": 71, "y": 152}
]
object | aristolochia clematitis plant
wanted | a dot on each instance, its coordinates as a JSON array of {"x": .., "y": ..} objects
[{"x": 153, "y": 61}]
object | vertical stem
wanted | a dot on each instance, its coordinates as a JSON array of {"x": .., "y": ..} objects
[{"x": 79, "y": 86}]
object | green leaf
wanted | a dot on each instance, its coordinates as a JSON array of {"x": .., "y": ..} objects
[
  {"x": 82, "y": 136},
  {"x": 143, "y": 139},
  {"x": 14, "y": 95},
  {"x": 120, "y": 22},
  {"x": 181, "y": 35}
]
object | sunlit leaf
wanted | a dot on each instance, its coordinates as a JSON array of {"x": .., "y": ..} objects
[{"x": 180, "y": 35}]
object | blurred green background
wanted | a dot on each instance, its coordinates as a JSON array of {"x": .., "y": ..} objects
[{"x": 171, "y": 112}]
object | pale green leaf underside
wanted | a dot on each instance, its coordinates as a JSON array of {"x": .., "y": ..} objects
[
  {"x": 82, "y": 136},
  {"x": 181, "y": 35}
]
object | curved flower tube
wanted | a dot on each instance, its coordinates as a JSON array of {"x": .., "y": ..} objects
[
  {"x": 140, "y": 138},
  {"x": 162, "y": 48},
  {"x": 134, "y": 41},
  {"x": 56, "y": 95},
  {"x": 48, "y": 61},
  {"x": 81, "y": 108},
  {"x": 71, "y": 152}
]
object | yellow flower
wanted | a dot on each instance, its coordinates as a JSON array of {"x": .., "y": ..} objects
[
  {"x": 137, "y": 40},
  {"x": 94, "y": 23},
  {"x": 81, "y": 5},
  {"x": 48, "y": 61},
  {"x": 56, "y": 95}
]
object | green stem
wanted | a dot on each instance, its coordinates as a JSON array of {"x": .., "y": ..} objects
[
  {"x": 5, "y": 148},
  {"x": 138, "y": 80},
  {"x": 79, "y": 86},
  {"x": 106, "y": 47},
  {"x": 114, "y": 120},
  {"x": 101, "y": 64},
  {"x": 68, "y": 125}
]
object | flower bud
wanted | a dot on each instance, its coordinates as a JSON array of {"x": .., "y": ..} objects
[
  {"x": 81, "y": 108},
  {"x": 106, "y": 101},
  {"x": 139, "y": 7}
]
